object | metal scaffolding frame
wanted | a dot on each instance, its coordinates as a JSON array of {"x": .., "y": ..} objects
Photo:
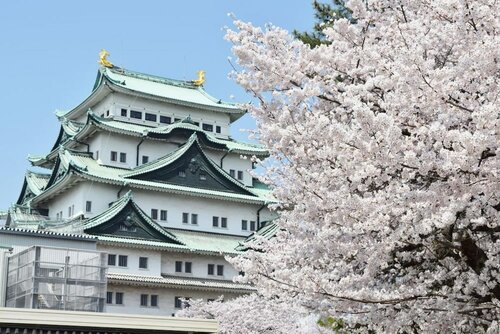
[{"x": 57, "y": 278}]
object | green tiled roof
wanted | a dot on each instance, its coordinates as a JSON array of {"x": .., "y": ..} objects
[
  {"x": 192, "y": 241},
  {"x": 181, "y": 282},
  {"x": 85, "y": 166},
  {"x": 36, "y": 181},
  {"x": 116, "y": 208},
  {"x": 266, "y": 232},
  {"x": 209, "y": 242},
  {"x": 176, "y": 91}
]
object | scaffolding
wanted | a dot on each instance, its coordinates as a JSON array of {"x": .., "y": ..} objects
[{"x": 57, "y": 278}]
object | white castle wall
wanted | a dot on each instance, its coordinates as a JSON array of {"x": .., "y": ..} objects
[
  {"x": 154, "y": 260},
  {"x": 206, "y": 208},
  {"x": 119, "y": 101},
  {"x": 166, "y": 297},
  {"x": 101, "y": 195},
  {"x": 199, "y": 265}
]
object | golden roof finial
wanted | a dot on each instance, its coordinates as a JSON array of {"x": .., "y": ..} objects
[
  {"x": 201, "y": 78},
  {"x": 103, "y": 55}
]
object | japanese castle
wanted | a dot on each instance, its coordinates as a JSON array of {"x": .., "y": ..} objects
[{"x": 137, "y": 205}]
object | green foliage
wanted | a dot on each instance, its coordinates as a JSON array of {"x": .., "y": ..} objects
[
  {"x": 325, "y": 14},
  {"x": 331, "y": 323}
]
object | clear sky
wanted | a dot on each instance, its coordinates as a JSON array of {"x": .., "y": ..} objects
[{"x": 49, "y": 58}]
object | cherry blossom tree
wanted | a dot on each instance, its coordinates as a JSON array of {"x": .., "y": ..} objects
[{"x": 385, "y": 161}]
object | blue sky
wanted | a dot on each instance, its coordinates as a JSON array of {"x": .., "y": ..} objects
[{"x": 49, "y": 53}]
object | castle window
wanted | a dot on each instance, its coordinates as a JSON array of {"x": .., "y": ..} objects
[
  {"x": 123, "y": 157},
  {"x": 154, "y": 300},
  {"x": 150, "y": 117},
  {"x": 240, "y": 175},
  {"x": 252, "y": 226},
  {"x": 178, "y": 266},
  {"x": 232, "y": 172},
  {"x": 215, "y": 221},
  {"x": 187, "y": 267},
  {"x": 217, "y": 129},
  {"x": 111, "y": 259},
  {"x": 194, "y": 219},
  {"x": 208, "y": 127},
  {"x": 119, "y": 298},
  {"x": 145, "y": 159},
  {"x": 223, "y": 222},
  {"x": 177, "y": 302},
  {"x": 109, "y": 297},
  {"x": 165, "y": 120},
  {"x": 154, "y": 214},
  {"x": 122, "y": 260},
  {"x": 143, "y": 262},
  {"x": 163, "y": 215},
  {"x": 144, "y": 300},
  {"x": 211, "y": 268},
  {"x": 124, "y": 112},
  {"x": 244, "y": 225},
  {"x": 135, "y": 114},
  {"x": 220, "y": 270},
  {"x": 107, "y": 112},
  {"x": 88, "y": 206},
  {"x": 185, "y": 217},
  {"x": 114, "y": 155}
]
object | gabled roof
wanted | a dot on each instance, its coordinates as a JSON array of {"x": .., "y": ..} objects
[
  {"x": 267, "y": 232},
  {"x": 126, "y": 219},
  {"x": 73, "y": 167},
  {"x": 177, "y": 92},
  {"x": 34, "y": 184},
  {"x": 192, "y": 161}
]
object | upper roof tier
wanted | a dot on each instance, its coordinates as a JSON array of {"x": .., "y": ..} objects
[{"x": 178, "y": 92}]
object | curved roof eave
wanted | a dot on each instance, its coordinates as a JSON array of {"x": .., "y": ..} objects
[{"x": 97, "y": 94}]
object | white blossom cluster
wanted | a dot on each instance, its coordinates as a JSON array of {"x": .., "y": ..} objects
[{"x": 386, "y": 156}]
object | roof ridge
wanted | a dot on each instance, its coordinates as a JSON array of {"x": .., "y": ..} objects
[{"x": 152, "y": 77}]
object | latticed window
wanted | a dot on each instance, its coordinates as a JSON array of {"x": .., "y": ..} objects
[
  {"x": 122, "y": 260},
  {"x": 143, "y": 262}
]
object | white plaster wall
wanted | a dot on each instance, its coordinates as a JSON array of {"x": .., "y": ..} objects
[
  {"x": 166, "y": 299},
  {"x": 166, "y": 109},
  {"x": 101, "y": 195},
  {"x": 99, "y": 108},
  {"x": 154, "y": 260},
  {"x": 199, "y": 265},
  {"x": 71, "y": 197},
  {"x": 155, "y": 149},
  {"x": 105, "y": 142},
  {"x": 206, "y": 208}
]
